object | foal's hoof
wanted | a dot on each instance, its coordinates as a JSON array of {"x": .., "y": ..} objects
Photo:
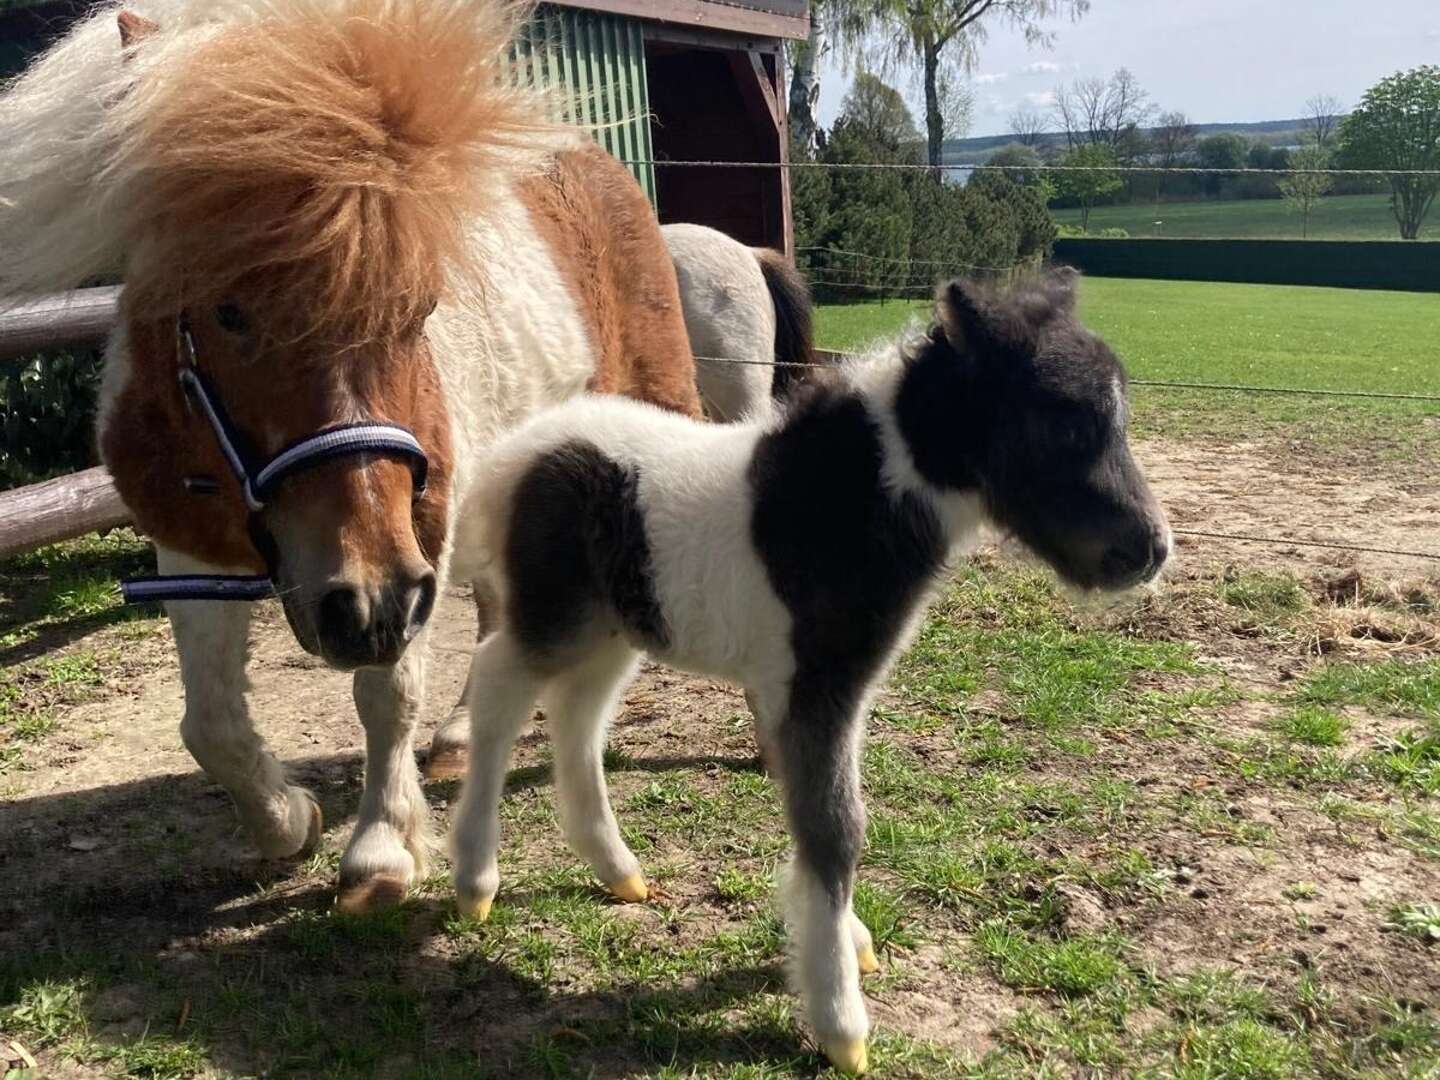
[
  {"x": 375, "y": 893},
  {"x": 446, "y": 762},
  {"x": 477, "y": 907},
  {"x": 632, "y": 889},
  {"x": 867, "y": 960},
  {"x": 849, "y": 1057}
]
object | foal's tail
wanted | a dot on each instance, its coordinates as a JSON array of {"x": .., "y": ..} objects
[{"x": 794, "y": 319}]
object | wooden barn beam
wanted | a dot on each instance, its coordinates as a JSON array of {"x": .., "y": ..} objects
[
  {"x": 763, "y": 22},
  {"x": 82, "y": 317},
  {"x": 59, "y": 509}
]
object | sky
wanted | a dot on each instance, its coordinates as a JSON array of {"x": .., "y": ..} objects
[{"x": 1219, "y": 61}]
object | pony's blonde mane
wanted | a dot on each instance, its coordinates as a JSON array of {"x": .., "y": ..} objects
[{"x": 321, "y": 152}]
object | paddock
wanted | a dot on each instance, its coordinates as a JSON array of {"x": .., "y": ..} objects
[{"x": 1193, "y": 832}]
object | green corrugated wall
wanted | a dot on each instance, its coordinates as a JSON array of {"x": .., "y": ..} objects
[{"x": 598, "y": 63}]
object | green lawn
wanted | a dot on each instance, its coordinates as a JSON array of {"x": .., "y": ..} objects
[
  {"x": 1267, "y": 335},
  {"x": 1340, "y": 217}
]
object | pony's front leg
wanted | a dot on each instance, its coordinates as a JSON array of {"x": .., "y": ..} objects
[
  {"x": 818, "y": 745},
  {"x": 450, "y": 745},
  {"x": 212, "y": 640},
  {"x": 391, "y": 843}
]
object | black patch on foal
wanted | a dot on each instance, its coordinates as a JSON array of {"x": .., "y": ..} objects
[
  {"x": 577, "y": 548},
  {"x": 851, "y": 562}
]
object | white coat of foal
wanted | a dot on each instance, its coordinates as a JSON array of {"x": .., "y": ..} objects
[{"x": 792, "y": 554}]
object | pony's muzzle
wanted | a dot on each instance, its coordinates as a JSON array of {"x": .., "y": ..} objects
[
  {"x": 1137, "y": 557},
  {"x": 370, "y": 627}
]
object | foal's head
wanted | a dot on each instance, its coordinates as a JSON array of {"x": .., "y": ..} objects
[
  {"x": 296, "y": 192},
  {"x": 1013, "y": 397}
]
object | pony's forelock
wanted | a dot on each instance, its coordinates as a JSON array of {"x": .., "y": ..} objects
[{"x": 325, "y": 154}]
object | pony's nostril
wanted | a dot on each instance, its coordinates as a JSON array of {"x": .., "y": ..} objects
[
  {"x": 342, "y": 622},
  {"x": 420, "y": 603}
]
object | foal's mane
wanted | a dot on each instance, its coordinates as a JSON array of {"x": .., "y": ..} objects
[{"x": 328, "y": 152}]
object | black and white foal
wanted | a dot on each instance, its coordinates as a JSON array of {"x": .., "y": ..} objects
[{"x": 792, "y": 555}]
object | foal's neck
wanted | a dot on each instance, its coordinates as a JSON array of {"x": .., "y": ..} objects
[{"x": 884, "y": 380}]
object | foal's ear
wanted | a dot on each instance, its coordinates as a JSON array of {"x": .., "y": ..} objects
[
  {"x": 134, "y": 28},
  {"x": 961, "y": 311},
  {"x": 1060, "y": 286}
]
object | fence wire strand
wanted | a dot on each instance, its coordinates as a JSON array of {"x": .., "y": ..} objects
[{"x": 904, "y": 166}]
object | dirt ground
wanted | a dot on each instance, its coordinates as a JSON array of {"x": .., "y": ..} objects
[{"x": 112, "y": 844}]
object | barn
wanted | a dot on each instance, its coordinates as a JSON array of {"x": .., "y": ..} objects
[{"x": 656, "y": 80}]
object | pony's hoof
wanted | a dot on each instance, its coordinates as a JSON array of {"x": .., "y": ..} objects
[
  {"x": 477, "y": 908},
  {"x": 848, "y": 1056},
  {"x": 632, "y": 889},
  {"x": 375, "y": 893},
  {"x": 446, "y": 762},
  {"x": 867, "y": 960}
]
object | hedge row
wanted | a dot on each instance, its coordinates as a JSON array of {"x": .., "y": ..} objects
[{"x": 1350, "y": 264}]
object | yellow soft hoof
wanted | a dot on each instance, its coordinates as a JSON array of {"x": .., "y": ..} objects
[
  {"x": 632, "y": 889},
  {"x": 477, "y": 909},
  {"x": 848, "y": 1057},
  {"x": 868, "y": 963}
]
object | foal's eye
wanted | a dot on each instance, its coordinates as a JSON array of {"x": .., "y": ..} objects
[{"x": 231, "y": 319}]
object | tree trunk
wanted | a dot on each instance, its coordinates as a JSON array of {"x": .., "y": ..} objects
[
  {"x": 1084, "y": 217},
  {"x": 805, "y": 84},
  {"x": 934, "y": 119}
]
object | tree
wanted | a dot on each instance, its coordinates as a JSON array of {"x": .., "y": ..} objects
[
  {"x": 805, "y": 83},
  {"x": 879, "y": 113},
  {"x": 1322, "y": 120},
  {"x": 1171, "y": 142},
  {"x": 1021, "y": 167},
  {"x": 1397, "y": 126},
  {"x": 1224, "y": 151},
  {"x": 1095, "y": 178},
  {"x": 1029, "y": 126},
  {"x": 1303, "y": 190},
  {"x": 941, "y": 35},
  {"x": 1110, "y": 112}
]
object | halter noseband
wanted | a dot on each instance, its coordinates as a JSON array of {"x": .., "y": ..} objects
[{"x": 258, "y": 480}]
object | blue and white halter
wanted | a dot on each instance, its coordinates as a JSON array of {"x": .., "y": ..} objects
[{"x": 258, "y": 480}]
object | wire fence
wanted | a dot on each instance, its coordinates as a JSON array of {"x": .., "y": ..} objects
[{"x": 1040, "y": 167}]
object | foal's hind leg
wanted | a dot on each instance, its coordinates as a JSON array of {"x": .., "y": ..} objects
[
  {"x": 579, "y": 705},
  {"x": 502, "y": 691},
  {"x": 450, "y": 744},
  {"x": 819, "y": 772},
  {"x": 211, "y": 638}
]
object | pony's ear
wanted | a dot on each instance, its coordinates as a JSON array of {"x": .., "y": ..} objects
[
  {"x": 961, "y": 311},
  {"x": 134, "y": 28}
]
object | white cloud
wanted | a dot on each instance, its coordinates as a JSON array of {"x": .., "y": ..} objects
[
  {"x": 992, "y": 78},
  {"x": 1041, "y": 99},
  {"x": 1041, "y": 67}
]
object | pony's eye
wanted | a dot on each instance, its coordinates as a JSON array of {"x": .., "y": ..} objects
[{"x": 231, "y": 319}]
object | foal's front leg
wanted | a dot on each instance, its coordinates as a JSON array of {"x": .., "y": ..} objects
[
  {"x": 389, "y": 849},
  {"x": 212, "y": 640},
  {"x": 818, "y": 746}
]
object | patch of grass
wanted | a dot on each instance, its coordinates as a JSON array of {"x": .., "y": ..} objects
[
  {"x": 156, "y": 1058},
  {"x": 1419, "y": 920},
  {"x": 1411, "y": 760},
  {"x": 1072, "y": 966},
  {"x": 1240, "y": 1048},
  {"x": 1267, "y": 595},
  {"x": 76, "y": 582},
  {"x": 1335, "y": 217},
  {"x": 885, "y": 915},
  {"x": 49, "y": 1011},
  {"x": 1313, "y": 726},
  {"x": 1396, "y": 686},
  {"x": 735, "y": 884}
]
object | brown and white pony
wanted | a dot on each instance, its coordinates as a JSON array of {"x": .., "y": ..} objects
[{"x": 359, "y": 218}]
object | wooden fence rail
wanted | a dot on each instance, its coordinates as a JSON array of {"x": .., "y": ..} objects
[
  {"x": 82, "y": 502},
  {"x": 82, "y": 317}
]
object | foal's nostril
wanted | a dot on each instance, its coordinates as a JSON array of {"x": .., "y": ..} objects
[{"x": 1138, "y": 557}]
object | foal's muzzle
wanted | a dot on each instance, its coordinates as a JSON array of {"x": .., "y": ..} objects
[{"x": 369, "y": 627}]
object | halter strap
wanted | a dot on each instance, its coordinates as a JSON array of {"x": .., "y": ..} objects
[{"x": 259, "y": 481}]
